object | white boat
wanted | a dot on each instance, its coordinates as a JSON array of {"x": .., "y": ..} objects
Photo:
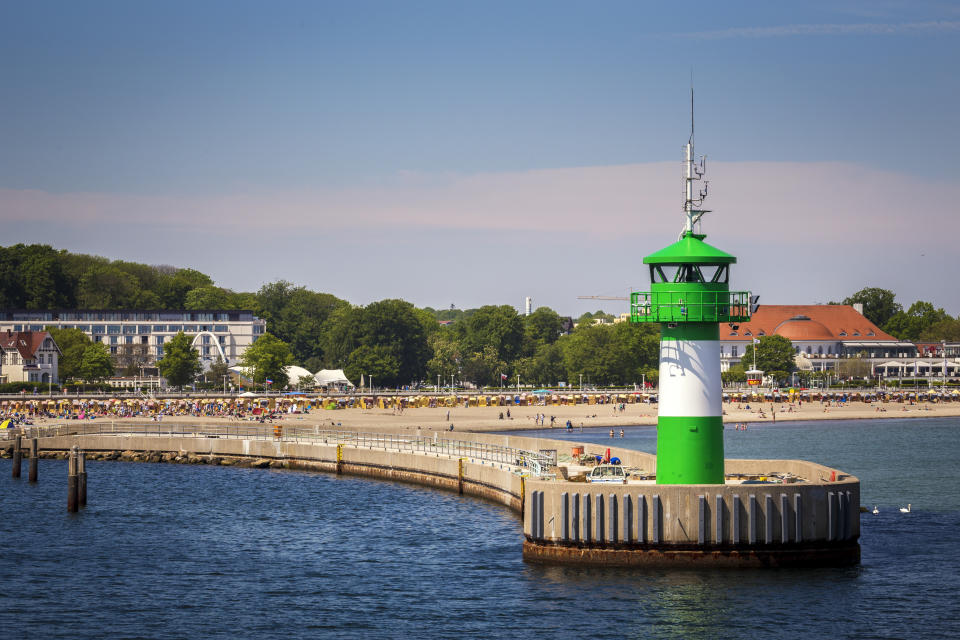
[{"x": 613, "y": 473}]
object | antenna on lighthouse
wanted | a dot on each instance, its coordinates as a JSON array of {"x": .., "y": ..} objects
[{"x": 694, "y": 171}]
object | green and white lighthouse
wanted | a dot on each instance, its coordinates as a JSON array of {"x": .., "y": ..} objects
[{"x": 690, "y": 296}]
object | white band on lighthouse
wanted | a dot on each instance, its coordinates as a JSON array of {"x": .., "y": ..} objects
[{"x": 690, "y": 378}]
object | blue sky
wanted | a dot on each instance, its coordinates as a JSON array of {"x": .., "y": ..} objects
[{"x": 475, "y": 153}]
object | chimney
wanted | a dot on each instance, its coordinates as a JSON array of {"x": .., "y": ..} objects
[{"x": 858, "y": 307}]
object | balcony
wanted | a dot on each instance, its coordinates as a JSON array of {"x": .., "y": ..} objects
[{"x": 690, "y": 306}]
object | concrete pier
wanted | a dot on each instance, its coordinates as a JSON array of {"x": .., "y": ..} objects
[{"x": 803, "y": 520}]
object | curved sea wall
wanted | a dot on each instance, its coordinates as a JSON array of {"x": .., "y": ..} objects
[{"x": 812, "y": 521}]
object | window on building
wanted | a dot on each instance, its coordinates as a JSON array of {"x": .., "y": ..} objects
[
  {"x": 809, "y": 351},
  {"x": 820, "y": 350},
  {"x": 159, "y": 327},
  {"x": 113, "y": 339},
  {"x": 99, "y": 328},
  {"x": 205, "y": 340},
  {"x": 143, "y": 328},
  {"x": 128, "y": 339},
  {"x": 174, "y": 328},
  {"x": 220, "y": 328},
  {"x": 222, "y": 339},
  {"x": 733, "y": 350},
  {"x": 113, "y": 350},
  {"x": 189, "y": 328},
  {"x": 129, "y": 329},
  {"x": 113, "y": 328},
  {"x": 159, "y": 352}
]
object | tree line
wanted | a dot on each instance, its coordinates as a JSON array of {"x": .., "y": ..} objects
[{"x": 391, "y": 340}]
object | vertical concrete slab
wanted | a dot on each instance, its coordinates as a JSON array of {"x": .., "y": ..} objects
[
  {"x": 831, "y": 516},
  {"x": 628, "y": 518},
  {"x": 784, "y": 519},
  {"x": 735, "y": 520},
  {"x": 598, "y": 502},
  {"x": 587, "y": 518},
  {"x": 657, "y": 516},
  {"x": 701, "y": 519},
  {"x": 798, "y": 517},
  {"x": 540, "y": 517},
  {"x": 575, "y": 517},
  {"x": 718, "y": 519},
  {"x": 641, "y": 518},
  {"x": 565, "y": 516},
  {"x": 613, "y": 523},
  {"x": 842, "y": 515},
  {"x": 768, "y": 518},
  {"x": 752, "y": 522}
]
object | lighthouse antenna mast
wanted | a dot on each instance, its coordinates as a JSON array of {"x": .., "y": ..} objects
[{"x": 694, "y": 171}]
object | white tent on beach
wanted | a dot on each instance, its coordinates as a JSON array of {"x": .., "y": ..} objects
[
  {"x": 294, "y": 373},
  {"x": 332, "y": 378}
]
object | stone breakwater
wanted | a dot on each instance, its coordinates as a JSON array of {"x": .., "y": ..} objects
[
  {"x": 164, "y": 457},
  {"x": 810, "y": 518}
]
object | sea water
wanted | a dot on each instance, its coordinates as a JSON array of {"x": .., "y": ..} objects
[{"x": 177, "y": 551}]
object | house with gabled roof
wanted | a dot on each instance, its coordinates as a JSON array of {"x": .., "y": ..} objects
[
  {"x": 821, "y": 334},
  {"x": 28, "y": 356}
]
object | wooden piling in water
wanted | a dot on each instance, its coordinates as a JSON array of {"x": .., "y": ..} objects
[
  {"x": 72, "y": 481},
  {"x": 82, "y": 478},
  {"x": 32, "y": 473},
  {"x": 17, "y": 457}
]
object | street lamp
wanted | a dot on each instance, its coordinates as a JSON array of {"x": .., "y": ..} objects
[{"x": 943, "y": 352}]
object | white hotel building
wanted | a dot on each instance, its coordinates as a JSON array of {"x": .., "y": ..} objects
[{"x": 215, "y": 333}]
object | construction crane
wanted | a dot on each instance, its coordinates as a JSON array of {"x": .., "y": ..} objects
[{"x": 601, "y": 298}]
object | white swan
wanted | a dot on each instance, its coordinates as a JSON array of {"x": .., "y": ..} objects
[
  {"x": 906, "y": 509},
  {"x": 875, "y": 510}
]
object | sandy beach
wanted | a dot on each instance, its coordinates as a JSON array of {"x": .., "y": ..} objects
[{"x": 487, "y": 419}]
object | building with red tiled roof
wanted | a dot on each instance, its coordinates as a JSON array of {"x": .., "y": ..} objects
[
  {"x": 28, "y": 356},
  {"x": 820, "y": 333}
]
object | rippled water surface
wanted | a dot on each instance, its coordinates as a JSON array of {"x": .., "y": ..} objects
[{"x": 175, "y": 551}]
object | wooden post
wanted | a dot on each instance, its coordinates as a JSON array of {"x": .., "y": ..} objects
[
  {"x": 72, "y": 481},
  {"x": 460, "y": 476},
  {"x": 82, "y": 478},
  {"x": 17, "y": 457},
  {"x": 32, "y": 473}
]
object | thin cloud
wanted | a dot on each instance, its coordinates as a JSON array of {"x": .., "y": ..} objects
[
  {"x": 859, "y": 29},
  {"x": 813, "y": 202}
]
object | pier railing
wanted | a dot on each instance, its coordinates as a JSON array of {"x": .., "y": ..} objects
[{"x": 535, "y": 462}]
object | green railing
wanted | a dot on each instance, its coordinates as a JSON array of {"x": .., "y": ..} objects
[{"x": 690, "y": 306}]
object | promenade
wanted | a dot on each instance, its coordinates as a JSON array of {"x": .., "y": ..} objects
[{"x": 486, "y": 419}]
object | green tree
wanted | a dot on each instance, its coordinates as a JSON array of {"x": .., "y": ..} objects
[
  {"x": 96, "y": 364},
  {"x": 545, "y": 367},
  {"x": 181, "y": 361},
  {"x": 379, "y": 361},
  {"x": 947, "y": 329},
  {"x": 774, "y": 353},
  {"x": 267, "y": 359},
  {"x": 910, "y": 325},
  {"x": 107, "y": 287},
  {"x": 217, "y": 371},
  {"x": 855, "y": 367},
  {"x": 588, "y": 317},
  {"x": 543, "y": 326},
  {"x": 72, "y": 343},
  {"x": 878, "y": 304},
  {"x": 297, "y": 316},
  {"x": 499, "y": 327},
  {"x": 484, "y": 368},
  {"x": 446, "y": 359}
]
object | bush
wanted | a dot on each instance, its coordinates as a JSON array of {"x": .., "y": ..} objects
[{"x": 29, "y": 387}]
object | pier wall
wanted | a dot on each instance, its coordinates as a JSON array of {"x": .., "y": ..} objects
[{"x": 814, "y": 522}]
